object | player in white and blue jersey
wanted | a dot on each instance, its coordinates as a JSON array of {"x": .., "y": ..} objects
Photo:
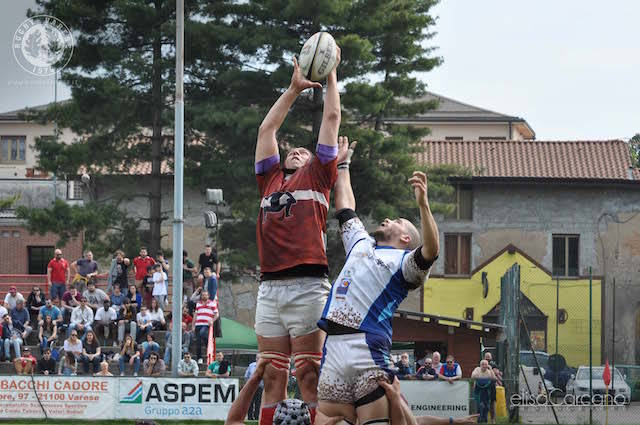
[{"x": 378, "y": 272}]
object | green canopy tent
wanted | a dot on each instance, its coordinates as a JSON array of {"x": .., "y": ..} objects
[{"x": 236, "y": 336}]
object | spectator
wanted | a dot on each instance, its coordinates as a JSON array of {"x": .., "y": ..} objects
[
  {"x": 483, "y": 377},
  {"x": 81, "y": 318},
  {"x": 118, "y": 272},
  {"x": 35, "y": 301},
  {"x": 58, "y": 276},
  {"x": 147, "y": 287},
  {"x": 91, "y": 353},
  {"x": 187, "y": 366},
  {"x": 187, "y": 332},
  {"x": 186, "y": 340},
  {"x": 117, "y": 298},
  {"x": 70, "y": 300},
  {"x": 188, "y": 269},
  {"x": 12, "y": 297},
  {"x": 405, "y": 371},
  {"x": 154, "y": 365},
  {"x": 135, "y": 297},
  {"x": 211, "y": 286},
  {"x": 436, "y": 361},
  {"x": 163, "y": 262},
  {"x": 95, "y": 297},
  {"x": 3, "y": 312},
  {"x": 105, "y": 321},
  {"x": 85, "y": 268},
  {"x": 129, "y": 354},
  {"x": 157, "y": 315},
  {"x": 104, "y": 369},
  {"x": 47, "y": 365},
  {"x": 149, "y": 346},
  {"x": 254, "y": 408},
  {"x": 218, "y": 368},
  {"x": 48, "y": 309},
  {"x": 70, "y": 364},
  {"x": 159, "y": 285},
  {"x": 47, "y": 333},
  {"x": 21, "y": 319},
  {"x": 209, "y": 258},
  {"x": 426, "y": 371},
  {"x": 12, "y": 337},
  {"x": 497, "y": 381},
  {"x": 195, "y": 297},
  {"x": 73, "y": 345},
  {"x": 206, "y": 314},
  {"x": 127, "y": 320},
  {"x": 145, "y": 325},
  {"x": 25, "y": 364},
  {"x": 450, "y": 371},
  {"x": 140, "y": 266}
]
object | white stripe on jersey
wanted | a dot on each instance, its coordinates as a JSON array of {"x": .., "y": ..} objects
[{"x": 301, "y": 195}]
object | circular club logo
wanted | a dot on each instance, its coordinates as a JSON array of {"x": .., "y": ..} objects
[{"x": 42, "y": 44}]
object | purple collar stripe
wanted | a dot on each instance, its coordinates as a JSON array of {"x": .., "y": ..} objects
[
  {"x": 326, "y": 153},
  {"x": 267, "y": 164}
]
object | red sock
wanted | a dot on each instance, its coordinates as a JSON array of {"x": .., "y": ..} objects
[
  {"x": 312, "y": 412},
  {"x": 266, "y": 415}
]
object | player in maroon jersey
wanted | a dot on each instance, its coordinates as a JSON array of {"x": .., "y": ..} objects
[{"x": 291, "y": 243}]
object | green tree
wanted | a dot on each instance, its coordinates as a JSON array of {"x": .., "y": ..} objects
[{"x": 634, "y": 150}]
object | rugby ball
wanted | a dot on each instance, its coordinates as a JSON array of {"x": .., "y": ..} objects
[{"x": 318, "y": 56}]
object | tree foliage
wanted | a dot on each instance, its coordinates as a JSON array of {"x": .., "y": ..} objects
[{"x": 634, "y": 150}]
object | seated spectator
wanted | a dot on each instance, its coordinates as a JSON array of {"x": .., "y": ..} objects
[
  {"x": 147, "y": 287},
  {"x": 12, "y": 297},
  {"x": 405, "y": 371},
  {"x": 47, "y": 333},
  {"x": 81, "y": 318},
  {"x": 25, "y": 364},
  {"x": 48, "y": 309},
  {"x": 160, "y": 282},
  {"x": 3, "y": 312},
  {"x": 91, "y": 353},
  {"x": 157, "y": 315},
  {"x": 186, "y": 340},
  {"x": 135, "y": 297},
  {"x": 118, "y": 272},
  {"x": 127, "y": 320},
  {"x": 105, "y": 321},
  {"x": 450, "y": 371},
  {"x": 188, "y": 366},
  {"x": 426, "y": 371},
  {"x": 154, "y": 365},
  {"x": 95, "y": 297},
  {"x": 12, "y": 337},
  {"x": 149, "y": 346},
  {"x": 46, "y": 365},
  {"x": 104, "y": 369},
  {"x": 35, "y": 300},
  {"x": 69, "y": 364},
  {"x": 218, "y": 368},
  {"x": 145, "y": 325},
  {"x": 21, "y": 319},
  {"x": 484, "y": 378},
  {"x": 117, "y": 298},
  {"x": 70, "y": 300},
  {"x": 73, "y": 346},
  {"x": 129, "y": 354}
]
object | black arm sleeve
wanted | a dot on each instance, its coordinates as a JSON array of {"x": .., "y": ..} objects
[
  {"x": 421, "y": 262},
  {"x": 345, "y": 215}
]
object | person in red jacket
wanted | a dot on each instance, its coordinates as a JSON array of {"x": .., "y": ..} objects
[{"x": 140, "y": 264}]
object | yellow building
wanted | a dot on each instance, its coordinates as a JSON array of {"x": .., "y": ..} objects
[{"x": 462, "y": 297}]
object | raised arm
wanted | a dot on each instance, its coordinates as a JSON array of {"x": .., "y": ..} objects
[
  {"x": 331, "y": 114},
  {"x": 267, "y": 146},
  {"x": 343, "y": 192},
  {"x": 240, "y": 406},
  {"x": 429, "y": 228}
]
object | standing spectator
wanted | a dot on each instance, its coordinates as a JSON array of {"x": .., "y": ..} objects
[
  {"x": 426, "y": 371},
  {"x": 73, "y": 345},
  {"x": 118, "y": 272},
  {"x": 91, "y": 353},
  {"x": 127, "y": 320},
  {"x": 47, "y": 365},
  {"x": 483, "y": 377},
  {"x": 117, "y": 298},
  {"x": 104, "y": 369},
  {"x": 450, "y": 371},
  {"x": 405, "y": 371},
  {"x": 81, "y": 318},
  {"x": 105, "y": 321},
  {"x": 206, "y": 314},
  {"x": 149, "y": 346},
  {"x": 147, "y": 287},
  {"x": 58, "y": 275},
  {"x": 140, "y": 266},
  {"x": 436, "y": 361},
  {"x": 211, "y": 286},
  {"x": 163, "y": 262},
  {"x": 145, "y": 325},
  {"x": 254, "y": 409},
  {"x": 135, "y": 296},
  {"x": 12, "y": 297},
  {"x": 95, "y": 297},
  {"x": 85, "y": 268},
  {"x": 188, "y": 269},
  {"x": 70, "y": 300},
  {"x": 129, "y": 354},
  {"x": 25, "y": 364},
  {"x": 47, "y": 333},
  {"x": 218, "y": 368},
  {"x": 35, "y": 300},
  {"x": 497, "y": 381},
  {"x": 154, "y": 365},
  {"x": 159, "y": 285},
  {"x": 209, "y": 258},
  {"x": 48, "y": 309},
  {"x": 12, "y": 337},
  {"x": 187, "y": 366},
  {"x": 21, "y": 319}
]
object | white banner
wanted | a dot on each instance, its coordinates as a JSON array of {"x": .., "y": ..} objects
[
  {"x": 439, "y": 398},
  {"x": 166, "y": 398},
  {"x": 60, "y": 396}
]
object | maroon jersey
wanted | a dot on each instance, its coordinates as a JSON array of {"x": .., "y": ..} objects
[{"x": 293, "y": 216}]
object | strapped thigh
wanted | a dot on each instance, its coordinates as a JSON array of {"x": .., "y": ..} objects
[
  {"x": 277, "y": 359},
  {"x": 302, "y": 357}
]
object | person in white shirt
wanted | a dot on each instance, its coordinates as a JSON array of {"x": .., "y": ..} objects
[
  {"x": 157, "y": 315},
  {"x": 145, "y": 325},
  {"x": 73, "y": 345},
  {"x": 81, "y": 318},
  {"x": 159, "y": 285},
  {"x": 3, "y": 312},
  {"x": 12, "y": 297},
  {"x": 188, "y": 366},
  {"x": 105, "y": 320}
]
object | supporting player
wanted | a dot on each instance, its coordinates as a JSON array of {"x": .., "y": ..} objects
[
  {"x": 290, "y": 235},
  {"x": 379, "y": 271}
]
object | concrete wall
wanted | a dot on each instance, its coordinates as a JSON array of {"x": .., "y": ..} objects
[{"x": 471, "y": 131}]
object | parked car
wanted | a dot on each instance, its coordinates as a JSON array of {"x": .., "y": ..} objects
[
  {"x": 530, "y": 375},
  {"x": 558, "y": 379},
  {"x": 631, "y": 375},
  {"x": 578, "y": 385}
]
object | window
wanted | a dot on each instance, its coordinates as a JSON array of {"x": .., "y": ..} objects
[
  {"x": 13, "y": 149},
  {"x": 463, "y": 204},
  {"x": 492, "y": 138},
  {"x": 75, "y": 189},
  {"x": 39, "y": 257},
  {"x": 453, "y": 138},
  {"x": 565, "y": 255},
  {"x": 457, "y": 253}
]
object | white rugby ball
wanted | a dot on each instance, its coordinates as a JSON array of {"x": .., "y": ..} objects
[{"x": 318, "y": 56}]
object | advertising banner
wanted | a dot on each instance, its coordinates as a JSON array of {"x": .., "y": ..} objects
[{"x": 439, "y": 398}]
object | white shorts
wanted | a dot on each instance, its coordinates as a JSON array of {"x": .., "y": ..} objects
[
  {"x": 351, "y": 366},
  {"x": 290, "y": 306}
]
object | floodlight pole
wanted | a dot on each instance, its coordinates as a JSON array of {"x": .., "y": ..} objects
[{"x": 178, "y": 174}]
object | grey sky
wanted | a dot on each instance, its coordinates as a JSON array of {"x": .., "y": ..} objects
[{"x": 569, "y": 67}]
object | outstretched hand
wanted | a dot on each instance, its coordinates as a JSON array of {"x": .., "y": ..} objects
[
  {"x": 298, "y": 81},
  {"x": 419, "y": 183},
  {"x": 345, "y": 150}
]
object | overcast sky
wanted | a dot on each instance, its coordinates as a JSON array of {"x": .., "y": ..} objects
[{"x": 569, "y": 67}]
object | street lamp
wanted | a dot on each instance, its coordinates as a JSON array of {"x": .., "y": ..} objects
[{"x": 214, "y": 197}]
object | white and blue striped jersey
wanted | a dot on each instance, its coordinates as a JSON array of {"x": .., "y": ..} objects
[{"x": 373, "y": 282}]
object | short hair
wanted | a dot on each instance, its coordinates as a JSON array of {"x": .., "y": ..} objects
[
  {"x": 207, "y": 246},
  {"x": 159, "y": 253},
  {"x": 126, "y": 301},
  {"x": 46, "y": 350},
  {"x": 149, "y": 268},
  {"x": 184, "y": 253},
  {"x": 119, "y": 252},
  {"x": 87, "y": 252},
  {"x": 143, "y": 248},
  {"x": 207, "y": 268},
  {"x": 413, "y": 233},
  {"x": 450, "y": 357},
  {"x": 91, "y": 282}
]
